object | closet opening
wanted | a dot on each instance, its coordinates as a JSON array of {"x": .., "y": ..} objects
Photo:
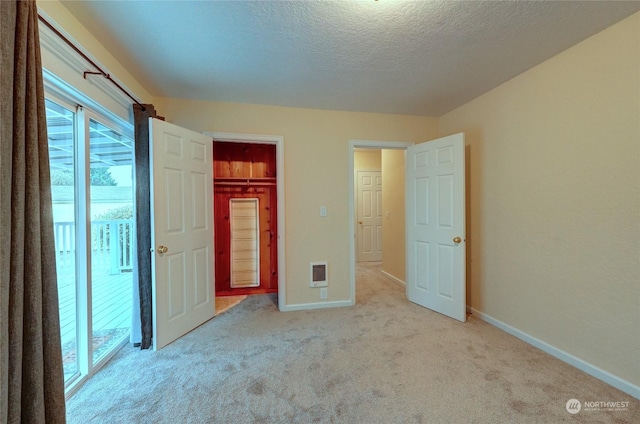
[{"x": 246, "y": 218}]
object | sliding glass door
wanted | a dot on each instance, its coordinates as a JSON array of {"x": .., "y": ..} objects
[
  {"x": 111, "y": 205},
  {"x": 92, "y": 191}
]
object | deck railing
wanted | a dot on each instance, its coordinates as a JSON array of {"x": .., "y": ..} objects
[{"x": 111, "y": 245}]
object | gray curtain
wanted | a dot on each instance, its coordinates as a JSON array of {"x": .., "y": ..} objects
[
  {"x": 141, "y": 115},
  {"x": 31, "y": 379}
]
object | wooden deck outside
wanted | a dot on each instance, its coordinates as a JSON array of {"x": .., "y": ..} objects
[{"x": 112, "y": 298}]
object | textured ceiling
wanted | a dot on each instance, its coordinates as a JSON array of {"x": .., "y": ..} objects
[{"x": 407, "y": 57}]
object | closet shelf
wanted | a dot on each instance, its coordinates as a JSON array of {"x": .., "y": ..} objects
[{"x": 244, "y": 181}]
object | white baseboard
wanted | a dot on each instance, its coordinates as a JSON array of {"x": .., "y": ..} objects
[
  {"x": 393, "y": 278},
  {"x": 612, "y": 380},
  {"x": 318, "y": 305}
]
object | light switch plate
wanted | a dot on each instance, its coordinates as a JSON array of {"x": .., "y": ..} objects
[{"x": 323, "y": 211}]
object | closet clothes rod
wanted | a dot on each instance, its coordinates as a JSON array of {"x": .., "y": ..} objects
[
  {"x": 85, "y": 57},
  {"x": 244, "y": 184}
]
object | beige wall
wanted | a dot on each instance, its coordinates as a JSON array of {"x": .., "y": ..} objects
[
  {"x": 393, "y": 231},
  {"x": 555, "y": 200},
  {"x": 367, "y": 160},
  {"x": 316, "y": 173}
]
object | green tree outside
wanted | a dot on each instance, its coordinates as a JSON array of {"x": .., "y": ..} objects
[{"x": 97, "y": 177}]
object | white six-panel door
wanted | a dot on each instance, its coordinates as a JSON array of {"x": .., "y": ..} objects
[
  {"x": 182, "y": 230},
  {"x": 435, "y": 225},
  {"x": 369, "y": 213}
]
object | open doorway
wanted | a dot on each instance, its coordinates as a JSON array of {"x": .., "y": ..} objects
[
  {"x": 434, "y": 195},
  {"x": 279, "y": 237},
  {"x": 245, "y": 204},
  {"x": 381, "y": 238}
]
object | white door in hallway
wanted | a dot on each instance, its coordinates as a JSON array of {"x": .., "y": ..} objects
[
  {"x": 369, "y": 215},
  {"x": 435, "y": 223},
  {"x": 182, "y": 230}
]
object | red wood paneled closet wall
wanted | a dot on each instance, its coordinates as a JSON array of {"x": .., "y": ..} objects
[{"x": 245, "y": 170}]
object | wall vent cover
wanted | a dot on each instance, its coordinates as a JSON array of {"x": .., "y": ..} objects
[{"x": 319, "y": 274}]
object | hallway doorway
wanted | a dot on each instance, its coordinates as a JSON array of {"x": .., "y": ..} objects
[{"x": 387, "y": 207}]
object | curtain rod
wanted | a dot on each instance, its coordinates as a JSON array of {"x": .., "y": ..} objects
[{"x": 85, "y": 57}]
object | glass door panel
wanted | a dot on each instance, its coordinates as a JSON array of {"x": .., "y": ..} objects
[
  {"x": 112, "y": 232},
  {"x": 61, "y": 134}
]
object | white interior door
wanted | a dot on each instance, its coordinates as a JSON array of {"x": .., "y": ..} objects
[
  {"x": 435, "y": 225},
  {"x": 182, "y": 230},
  {"x": 369, "y": 214}
]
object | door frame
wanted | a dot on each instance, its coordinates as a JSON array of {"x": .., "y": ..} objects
[
  {"x": 278, "y": 141},
  {"x": 361, "y": 144}
]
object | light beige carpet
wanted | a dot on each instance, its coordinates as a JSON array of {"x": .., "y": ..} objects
[{"x": 384, "y": 360}]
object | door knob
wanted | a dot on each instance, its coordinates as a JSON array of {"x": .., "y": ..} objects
[
  {"x": 360, "y": 222},
  {"x": 457, "y": 240},
  {"x": 163, "y": 249}
]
